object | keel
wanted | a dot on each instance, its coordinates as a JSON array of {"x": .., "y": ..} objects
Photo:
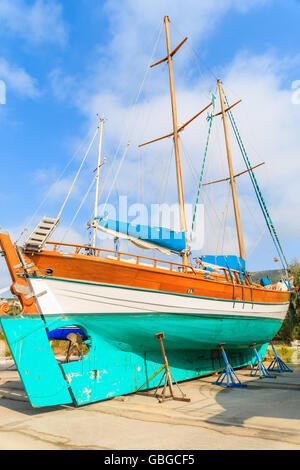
[
  {"x": 39, "y": 371},
  {"x": 109, "y": 369}
]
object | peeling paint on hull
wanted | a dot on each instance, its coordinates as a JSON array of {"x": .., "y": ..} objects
[{"x": 123, "y": 352}]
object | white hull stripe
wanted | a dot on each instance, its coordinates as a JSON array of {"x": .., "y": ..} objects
[
  {"x": 155, "y": 291},
  {"x": 75, "y": 297}
]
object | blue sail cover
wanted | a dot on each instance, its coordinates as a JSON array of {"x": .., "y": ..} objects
[
  {"x": 160, "y": 236},
  {"x": 229, "y": 262}
]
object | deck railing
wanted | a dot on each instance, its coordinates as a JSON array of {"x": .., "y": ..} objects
[
  {"x": 126, "y": 257},
  {"x": 144, "y": 261}
]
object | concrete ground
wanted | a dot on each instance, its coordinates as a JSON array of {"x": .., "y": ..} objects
[{"x": 265, "y": 415}]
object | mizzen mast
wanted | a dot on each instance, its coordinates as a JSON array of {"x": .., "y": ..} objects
[{"x": 231, "y": 173}]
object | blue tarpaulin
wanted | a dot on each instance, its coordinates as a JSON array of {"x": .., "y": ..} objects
[
  {"x": 160, "y": 236},
  {"x": 265, "y": 281},
  {"x": 62, "y": 333},
  {"x": 229, "y": 262}
]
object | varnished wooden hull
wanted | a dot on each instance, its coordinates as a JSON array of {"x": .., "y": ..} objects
[{"x": 106, "y": 271}]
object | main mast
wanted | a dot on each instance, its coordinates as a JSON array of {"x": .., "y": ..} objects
[
  {"x": 176, "y": 139},
  {"x": 98, "y": 180},
  {"x": 175, "y": 133},
  {"x": 231, "y": 173}
]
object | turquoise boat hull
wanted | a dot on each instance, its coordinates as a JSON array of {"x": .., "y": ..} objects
[{"x": 124, "y": 353}]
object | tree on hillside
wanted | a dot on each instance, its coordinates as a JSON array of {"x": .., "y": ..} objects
[
  {"x": 291, "y": 326},
  {"x": 295, "y": 299}
]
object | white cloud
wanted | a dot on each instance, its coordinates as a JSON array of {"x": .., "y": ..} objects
[
  {"x": 271, "y": 121},
  {"x": 18, "y": 80},
  {"x": 68, "y": 235},
  {"x": 133, "y": 30},
  {"x": 268, "y": 119},
  {"x": 136, "y": 21},
  {"x": 38, "y": 22},
  {"x": 62, "y": 85}
]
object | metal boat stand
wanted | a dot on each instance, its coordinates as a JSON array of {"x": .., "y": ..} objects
[
  {"x": 259, "y": 368},
  {"x": 228, "y": 377},
  {"x": 278, "y": 365},
  {"x": 167, "y": 375}
]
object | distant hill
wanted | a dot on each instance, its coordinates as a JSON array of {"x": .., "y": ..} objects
[{"x": 273, "y": 274}]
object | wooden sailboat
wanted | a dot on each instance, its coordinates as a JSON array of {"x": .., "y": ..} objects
[{"x": 121, "y": 301}]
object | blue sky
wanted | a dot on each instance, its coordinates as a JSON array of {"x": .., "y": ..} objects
[{"x": 64, "y": 61}]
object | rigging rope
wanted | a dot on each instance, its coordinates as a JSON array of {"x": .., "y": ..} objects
[
  {"x": 79, "y": 208},
  {"x": 53, "y": 185},
  {"x": 164, "y": 194},
  {"x": 213, "y": 98},
  {"x": 258, "y": 193},
  {"x": 197, "y": 58},
  {"x": 131, "y": 119},
  {"x": 224, "y": 220},
  {"x": 77, "y": 174},
  {"x": 259, "y": 231},
  {"x": 116, "y": 175}
]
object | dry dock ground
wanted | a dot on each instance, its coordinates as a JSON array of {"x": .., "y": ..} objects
[{"x": 265, "y": 415}]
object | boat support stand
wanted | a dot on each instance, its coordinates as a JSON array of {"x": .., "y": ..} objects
[
  {"x": 228, "y": 377},
  {"x": 259, "y": 368},
  {"x": 278, "y": 365},
  {"x": 167, "y": 375}
]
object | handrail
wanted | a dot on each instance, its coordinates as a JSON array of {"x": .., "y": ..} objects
[
  {"x": 184, "y": 269},
  {"x": 119, "y": 254}
]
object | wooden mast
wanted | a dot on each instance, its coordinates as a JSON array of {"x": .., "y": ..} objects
[
  {"x": 98, "y": 179},
  {"x": 232, "y": 180},
  {"x": 176, "y": 139}
]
